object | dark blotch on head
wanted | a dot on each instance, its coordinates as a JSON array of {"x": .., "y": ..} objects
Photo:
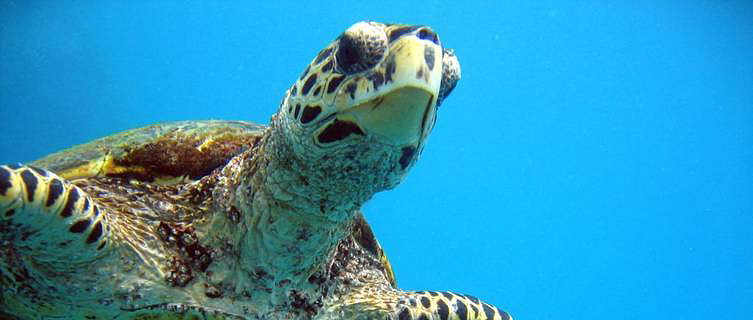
[
  {"x": 56, "y": 188},
  {"x": 328, "y": 66},
  {"x": 429, "y": 56},
  {"x": 95, "y": 234},
  {"x": 462, "y": 311},
  {"x": 351, "y": 89},
  {"x": 399, "y": 32},
  {"x": 31, "y": 184},
  {"x": 334, "y": 83},
  {"x": 425, "y": 302},
  {"x": 80, "y": 226},
  {"x": 310, "y": 113},
  {"x": 407, "y": 156},
  {"x": 389, "y": 69},
  {"x": 308, "y": 84},
  {"x": 323, "y": 55},
  {"x": 442, "y": 309},
  {"x": 305, "y": 72},
  {"x": 405, "y": 315},
  {"x": 4, "y": 181},
  {"x": 338, "y": 130},
  {"x": 377, "y": 79},
  {"x": 68, "y": 208}
]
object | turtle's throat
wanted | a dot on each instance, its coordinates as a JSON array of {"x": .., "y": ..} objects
[{"x": 293, "y": 215}]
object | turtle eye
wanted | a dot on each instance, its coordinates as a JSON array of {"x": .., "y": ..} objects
[{"x": 360, "y": 48}]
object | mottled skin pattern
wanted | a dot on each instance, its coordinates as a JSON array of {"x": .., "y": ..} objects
[{"x": 230, "y": 220}]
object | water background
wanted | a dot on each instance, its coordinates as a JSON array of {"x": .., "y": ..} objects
[{"x": 595, "y": 161}]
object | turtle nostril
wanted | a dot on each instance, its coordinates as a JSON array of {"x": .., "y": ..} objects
[{"x": 427, "y": 34}]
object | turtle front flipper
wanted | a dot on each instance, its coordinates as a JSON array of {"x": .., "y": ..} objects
[
  {"x": 419, "y": 305},
  {"x": 430, "y": 305},
  {"x": 47, "y": 224}
]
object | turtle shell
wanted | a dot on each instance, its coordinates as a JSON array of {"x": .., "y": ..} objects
[{"x": 160, "y": 153}]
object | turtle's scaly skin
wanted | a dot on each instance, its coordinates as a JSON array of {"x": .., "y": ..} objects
[{"x": 230, "y": 220}]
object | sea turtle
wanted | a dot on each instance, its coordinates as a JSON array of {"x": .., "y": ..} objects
[{"x": 232, "y": 220}]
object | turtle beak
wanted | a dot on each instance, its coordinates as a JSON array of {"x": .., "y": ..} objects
[{"x": 399, "y": 116}]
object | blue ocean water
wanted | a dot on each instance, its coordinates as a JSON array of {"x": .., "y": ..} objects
[{"x": 595, "y": 162}]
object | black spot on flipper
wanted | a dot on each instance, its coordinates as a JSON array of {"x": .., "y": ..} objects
[
  {"x": 488, "y": 311},
  {"x": 31, "y": 184},
  {"x": 308, "y": 84},
  {"x": 310, "y": 113},
  {"x": 461, "y": 310},
  {"x": 472, "y": 298},
  {"x": 96, "y": 211},
  {"x": 39, "y": 171},
  {"x": 69, "y": 203},
  {"x": 429, "y": 56},
  {"x": 101, "y": 245},
  {"x": 442, "y": 309},
  {"x": 80, "y": 226},
  {"x": 334, "y": 83},
  {"x": 4, "y": 181},
  {"x": 475, "y": 311},
  {"x": 503, "y": 315},
  {"x": 339, "y": 130},
  {"x": 54, "y": 191},
  {"x": 423, "y": 316},
  {"x": 95, "y": 234},
  {"x": 10, "y": 213},
  {"x": 406, "y": 157},
  {"x": 86, "y": 206},
  {"x": 405, "y": 315},
  {"x": 425, "y": 302}
]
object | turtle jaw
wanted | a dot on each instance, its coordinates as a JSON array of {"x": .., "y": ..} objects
[{"x": 397, "y": 118}]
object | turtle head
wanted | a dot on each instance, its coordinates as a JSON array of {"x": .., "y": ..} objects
[{"x": 368, "y": 101}]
